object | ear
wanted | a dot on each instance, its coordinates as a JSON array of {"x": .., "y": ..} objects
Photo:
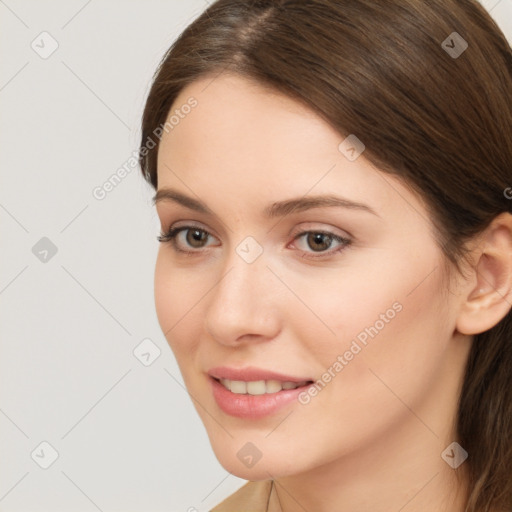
[{"x": 487, "y": 294}]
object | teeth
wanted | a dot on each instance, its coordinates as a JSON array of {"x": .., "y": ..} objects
[
  {"x": 256, "y": 388},
  {"x": 226, "y": 383},
  {"x": 273, "y": 386},
  {"x": 238, "y": 386},
  {"x": 259, "y": 387}
]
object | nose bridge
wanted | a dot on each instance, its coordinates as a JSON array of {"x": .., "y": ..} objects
[
  {"x": 241, "y": 279},
  {"x": 239, "y": 303}
]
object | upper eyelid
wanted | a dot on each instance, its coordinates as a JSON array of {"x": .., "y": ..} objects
[
  {"x": 331, "y": 230},
  {"x": 298, "y": 234},
  {"x": 344, "y": 241},
  {"x": 191, "y": 225}
]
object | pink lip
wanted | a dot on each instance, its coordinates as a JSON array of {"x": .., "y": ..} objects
[
  {"x": 248, "y": 406},
  {"x": 251, "y": 373}
]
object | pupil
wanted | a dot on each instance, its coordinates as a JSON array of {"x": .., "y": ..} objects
[
  {"x": 195, "y": 237},
  {"x": 319, "y": 238}
]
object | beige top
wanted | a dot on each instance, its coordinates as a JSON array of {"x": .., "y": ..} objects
[{"x": 252, "y": 497}]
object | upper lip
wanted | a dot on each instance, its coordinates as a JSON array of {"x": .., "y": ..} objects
[{"x": 250, "y": 374}]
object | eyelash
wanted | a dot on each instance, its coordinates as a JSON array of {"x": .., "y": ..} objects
[{"x": 170, "y": 236}]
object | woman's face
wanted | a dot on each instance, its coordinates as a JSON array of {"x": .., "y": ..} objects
[{"x": 279, "y": 285}]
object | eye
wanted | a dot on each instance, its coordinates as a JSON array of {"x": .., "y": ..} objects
[
  {"x": 191, "y": 239},
  {"x": 320, "y": 242},
  {"x": 186, "y": 236}
]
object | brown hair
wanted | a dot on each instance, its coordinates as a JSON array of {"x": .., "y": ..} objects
[{"x": 441, "y": 122}]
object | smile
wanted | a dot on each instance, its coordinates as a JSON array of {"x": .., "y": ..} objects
[
  {"x": 253, "y": 393},
  {"x": 259, "y": 387}
]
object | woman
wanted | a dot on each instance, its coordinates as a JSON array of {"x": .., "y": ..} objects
[{"x": 335, "y": 275}]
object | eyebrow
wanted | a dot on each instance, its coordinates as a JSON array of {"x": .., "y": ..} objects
[{"x": 277, "y": 209}]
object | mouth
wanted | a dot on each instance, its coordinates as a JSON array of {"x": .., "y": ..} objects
[
  {"x": 252, "y": 393},
  {"x": 260, "y": 387}
]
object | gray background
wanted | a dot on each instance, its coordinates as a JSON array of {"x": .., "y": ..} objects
[{"x": 125, "y": 431}]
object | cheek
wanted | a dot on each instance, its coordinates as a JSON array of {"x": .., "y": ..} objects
[
  {"x": 398, "y": 362},
  {"x": 165, "y": 294},
  {"x": 387, "y": 317},
  {"x": 359, "y": 301},
  {"x": 177, "y": 303},
  {"x": 406, "y": 357}
]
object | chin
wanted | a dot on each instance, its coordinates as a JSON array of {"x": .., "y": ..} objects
[
  {"x": 262, "y": 470},
  {"x": 244, "y": 460}
]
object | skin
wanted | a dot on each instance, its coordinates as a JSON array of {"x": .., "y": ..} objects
[{"x": 372, "y": 438}]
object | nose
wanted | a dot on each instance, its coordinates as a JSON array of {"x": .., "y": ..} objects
[{"x": 242, "y": 306}]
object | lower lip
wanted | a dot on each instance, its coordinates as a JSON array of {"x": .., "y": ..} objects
[{"x": 253, "y": 407}]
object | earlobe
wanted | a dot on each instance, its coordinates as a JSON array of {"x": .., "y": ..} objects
[{"x": 488, "y": 301}]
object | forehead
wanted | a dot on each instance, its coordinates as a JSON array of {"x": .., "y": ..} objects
[
  {"x": 237, "y": 118},
  {"x": 243, "y": 136}
]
